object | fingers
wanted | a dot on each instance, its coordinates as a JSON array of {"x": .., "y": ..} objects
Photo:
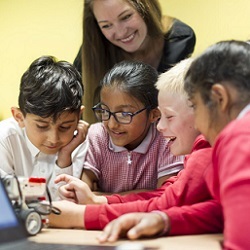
[
  {"x": 80, "y": 135},
  {"x": 65, "y": 177},
  {"x": 149, "y": 225},
  {"x": 134, "y": 225},
  {"x": 141, "y": 229},
  {"x": 110, "y": 233},
  {"x": 83, "y": 124},
  {"x": 82, "y": 129},
  {"x": 118, "y": 227},
  {"x": 78, "y": 191},
  {"x": 67, "y": 193}
]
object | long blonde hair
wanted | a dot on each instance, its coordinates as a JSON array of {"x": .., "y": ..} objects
[{"x": 99, "y": 55}]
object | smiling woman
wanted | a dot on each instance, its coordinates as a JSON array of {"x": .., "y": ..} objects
[
  {"x": 116, "y": 30},
  {"x": 121, "y": 25}
]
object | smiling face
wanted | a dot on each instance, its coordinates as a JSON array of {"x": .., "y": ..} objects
[
  {"x": 177, "y": 122},
  {"x": 125, "y": 135},
  {"x": 121, "y": 24},
  {"x": 45, "y": 134}
]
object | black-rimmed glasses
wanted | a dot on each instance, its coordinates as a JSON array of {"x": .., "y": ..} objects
[{"x": 121, "y": 117}]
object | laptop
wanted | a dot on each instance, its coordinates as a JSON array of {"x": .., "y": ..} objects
[{"x": 13, "y": 235}]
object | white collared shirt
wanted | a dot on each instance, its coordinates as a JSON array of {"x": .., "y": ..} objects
[
  {"x": 244, "y": 111},
  {"x": 18, "y": 155}
]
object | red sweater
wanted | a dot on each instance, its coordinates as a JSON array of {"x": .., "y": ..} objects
[
  {"x": 231, "y": 186},
  {"x": 187, "y": 200}
]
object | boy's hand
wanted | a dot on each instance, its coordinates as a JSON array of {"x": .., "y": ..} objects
[
  {"x": 64, "y": 155},
  {"x": 132, "y": 225},
  {"x": 77, "y": 191}
]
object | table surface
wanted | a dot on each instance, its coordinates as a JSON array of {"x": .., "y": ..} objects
[{"x": 84, "y": 237}]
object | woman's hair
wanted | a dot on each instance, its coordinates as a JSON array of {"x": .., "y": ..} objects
[
  {"x": 99, "y": 55},
  {"x": 227, "y": 63},
  {"x": 50, "y": 87},
  {"x": 136, "y": 79},
  {"x": 172, "y": 80}
]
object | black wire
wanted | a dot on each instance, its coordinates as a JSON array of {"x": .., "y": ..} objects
[{"x": 54, "y": 210}]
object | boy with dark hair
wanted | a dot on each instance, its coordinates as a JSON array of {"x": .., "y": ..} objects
[{"x": 45, "y": 135}]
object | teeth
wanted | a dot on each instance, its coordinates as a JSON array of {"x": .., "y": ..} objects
[
  {"x": 116, "y": 132},
  {"x": 128, "y": 38},
  {"x": 170, "y": 139}
]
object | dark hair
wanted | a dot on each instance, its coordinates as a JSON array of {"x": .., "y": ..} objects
[
  {"x": 226, "y": 62},
  {"x": 136, "y": 79},
  {"x": 50, "y": 87}
]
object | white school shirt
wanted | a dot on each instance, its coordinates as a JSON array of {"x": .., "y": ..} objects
[
  {"x": 244, "y": 111},
  {"x": 18, "y": 155}
]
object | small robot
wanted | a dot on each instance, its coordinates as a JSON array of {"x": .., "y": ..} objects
[{"x": 31, "y": 200}]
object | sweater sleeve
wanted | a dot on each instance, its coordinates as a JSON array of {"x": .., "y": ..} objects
[
  {"x": 203, "y": 217},
  {"x": 200, "y": 218},
  {"x": 116, "y": 198}
]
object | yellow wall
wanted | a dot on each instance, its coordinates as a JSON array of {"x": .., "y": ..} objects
[
  {"x": 31, "y": 28},
  {"x": 212, "y": 20}
]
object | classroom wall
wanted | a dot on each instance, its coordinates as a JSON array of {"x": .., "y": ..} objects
[
  {"x": 212, "y": 20},
  {"x": 31, "y": 28}
]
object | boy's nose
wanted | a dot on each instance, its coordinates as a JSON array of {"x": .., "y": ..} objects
[
  {"x": 162, "y": 125},
  {"x": 159, "y": 125},
  {"x": 53, "y": 137}
]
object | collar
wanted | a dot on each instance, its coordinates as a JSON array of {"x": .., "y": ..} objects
[
  {"x": 244, "y": 112},
  {"x": 143, "y": 147},
  {"x": 33, "y": 150}
]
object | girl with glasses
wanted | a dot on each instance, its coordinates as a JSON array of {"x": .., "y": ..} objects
[
  {"x": 126, "y": 152},
  {"x": 185, "y": 200}
]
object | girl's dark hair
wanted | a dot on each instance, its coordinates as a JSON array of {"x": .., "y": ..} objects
[
  {"x": 136, "y": 79},
  {"x": 226, "y": 62},
  {"x": 50, "y": 87}
]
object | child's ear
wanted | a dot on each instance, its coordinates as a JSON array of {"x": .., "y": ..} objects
[
  {"x": 220, "y": 94},
  {"x": 154, "y": 115},
  {"x": 18, "y": 116},
  {"x": 81, "y": 111}
]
